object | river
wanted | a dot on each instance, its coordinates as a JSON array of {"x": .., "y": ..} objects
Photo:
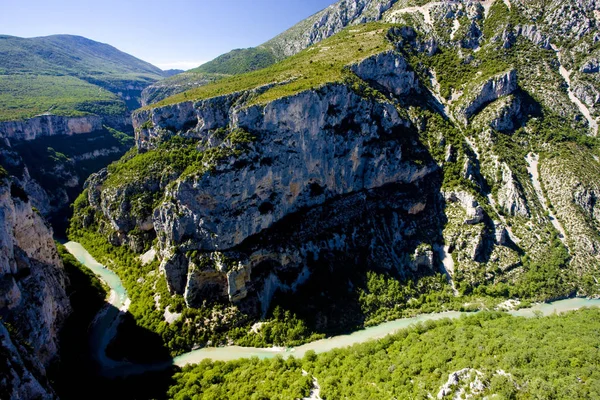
[{"x": 104, "y": 328}]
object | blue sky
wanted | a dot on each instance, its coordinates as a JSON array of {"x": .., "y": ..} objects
[{"x": 168, "y": 33}]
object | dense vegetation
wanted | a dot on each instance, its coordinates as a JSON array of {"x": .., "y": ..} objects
[
  {"x": 25, "y": 96},
  {"x": 227, "y": 323},
  {"x": 239, "y": 61},
  {"x": 553, "y": 357}
]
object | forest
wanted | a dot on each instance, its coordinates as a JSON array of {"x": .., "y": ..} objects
[{"x": 489, "y": 353}]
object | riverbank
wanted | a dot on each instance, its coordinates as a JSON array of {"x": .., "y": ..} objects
[{"x": 105, "y": 328}]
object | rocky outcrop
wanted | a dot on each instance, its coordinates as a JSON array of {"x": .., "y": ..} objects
[
  {"x": 52, "y": 125},
  {"x": 509, "y": 116},
  {"x": 591, "y": 66},
  {"x": 573, "y": 192},
  {"x": 587, "y": 93},
  {"x": 318, "y": 161},
  {"x": 475, "y": 213},
  {"x": 389, "y": 71},
  {"x": 567, "y": 20},
  {"x": 510, "y": 194},
  {"x": 17, "y": 381},
  {"x": 492, "y": 89},
  {"x": 327, "y": 23},
  {"x": 32, "y": 296},
  {"x": 532, "y": 33}
]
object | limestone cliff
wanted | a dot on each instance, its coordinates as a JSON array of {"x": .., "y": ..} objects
[
  {"x": 33, "y": 302},
  {"x": 416, "y": 157},
  {"x": 321, "y": 152},
  {"x": 53, "y": 125}
]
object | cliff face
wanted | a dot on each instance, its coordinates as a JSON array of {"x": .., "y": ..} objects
[
  {"x": 327, "y": 23},
  {"x": 463, "y": 151},
  {"x": 326, "y": 152},
  {"x": 33, "y": 302},
  {"x": 51, "y": 156},
  {"x": 53, "y": 125}
]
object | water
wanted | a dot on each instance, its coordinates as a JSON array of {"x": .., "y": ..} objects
[
  {"x": 107, "y": 325},
  {"x": 109, "y": 277}
]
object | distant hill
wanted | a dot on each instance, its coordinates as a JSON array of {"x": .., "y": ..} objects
[
  {"x": 70, "y": 55},
  {"x": 314, "y": 29},
  {"x": 85, "y": 61},
  {"x": 171, "y": 72}
]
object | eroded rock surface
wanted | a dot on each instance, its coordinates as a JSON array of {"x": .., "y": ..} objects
[{"x": 32, "y": 294}]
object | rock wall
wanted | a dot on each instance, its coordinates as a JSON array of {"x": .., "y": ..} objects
[
  {"x": 33, "y": 302},
  {"x": 327, "y": 23},
  {"x": 52, "y": 125},
  {"x": 492, "y": 89},
  {"x": 321, "y": 158}
]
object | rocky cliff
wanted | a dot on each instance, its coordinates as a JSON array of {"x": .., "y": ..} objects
[
  {"x": 319, "y": 152},
  {"x": 33, "y": 302},
  {"x": 415, "y": 157},
  {"x": 53, "y": 125},
  {"x": 50, "y": 157}
]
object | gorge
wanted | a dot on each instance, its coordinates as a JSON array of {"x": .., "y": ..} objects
[{"x": 380, "y": 164}]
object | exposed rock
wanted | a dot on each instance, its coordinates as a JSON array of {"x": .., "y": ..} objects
[
  {"x": 587, "y": 199},
  {"x": 586, "y": 92},
  {"x": 591, "y": 66},
  {"x": 422, "y": 258},
  {"x": 478, "y": 246},
  {"x": 510, "y": 194},
  {"x": 32, "y": 296},
  {"x": 328, "y": 150},
  {"x": 175, "y": 267},
  {"x": 532, "y": 33},
  {"x": 508, "y": 117},
  {"x": 475, "y": 213},
  {"x": 205, "y": 285},
  {"x": 492, "y": 89},
  {"x": 501, "y": 233},
  {"x": 307, "y": 152},
  {"x": 390, "y": 71},
  {"x": 17, "y": 381},
  {"x": 327, "y": 23},
  {"x": 51, "y": 125},
  {"x": 467, "y": 377}
]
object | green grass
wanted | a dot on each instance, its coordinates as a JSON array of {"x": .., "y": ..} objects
[
  {"x": 70, "y": 55},
  {"x": 322, "y": 63},
  {"x": 64, "y": 74},
  {"x": 239, "y": 61},
  {"x": 25, "y": 96}
]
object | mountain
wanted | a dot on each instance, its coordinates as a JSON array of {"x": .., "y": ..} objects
[
  {"x": 170, "y": 72},
  {"x": 55, "y": 57},
  {"x": 175, "y": 84},
  {"x": 58, "y": 87},
  {"x": 312, "y": 30},
  {"x": 444, "y": 157}
]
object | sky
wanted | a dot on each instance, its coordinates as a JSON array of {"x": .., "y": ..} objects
[{"x": 171, "y": 34}]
